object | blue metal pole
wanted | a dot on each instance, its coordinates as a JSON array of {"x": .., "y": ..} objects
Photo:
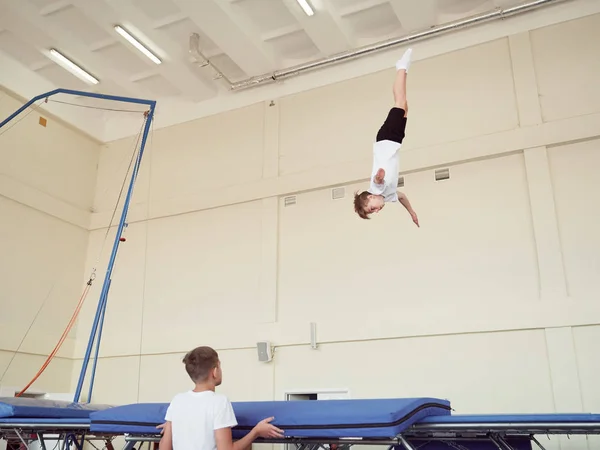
[
  {"x": 92, "y": 337},
  {"x": 97, "y": 353},
  {"x": 116, "y": 98},
  {"x": 102, "y": 304},
  {"x": 27, "y": 105}
]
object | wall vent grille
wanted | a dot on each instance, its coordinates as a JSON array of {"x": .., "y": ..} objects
[
  {"x": 442, "y": 174},
  {"x": 337, "y": 193}
]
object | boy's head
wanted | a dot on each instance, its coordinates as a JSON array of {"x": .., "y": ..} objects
[
  {"x": 366, "y": 203},
  {"x": 203, "y": 366}
]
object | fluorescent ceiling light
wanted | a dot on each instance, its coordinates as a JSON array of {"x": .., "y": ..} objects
[
  {"x": 137, "y": 44},
  {"x": 306, "y": 7},
  {"x": 72, "y": 67}
]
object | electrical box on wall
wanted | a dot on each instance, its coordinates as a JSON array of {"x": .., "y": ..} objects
[{"x": 265, "y": 351}]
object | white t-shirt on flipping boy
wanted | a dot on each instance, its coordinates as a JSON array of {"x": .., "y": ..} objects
[{"x": 386, "y": 156}]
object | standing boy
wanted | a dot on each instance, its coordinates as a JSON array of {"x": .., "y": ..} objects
[
  {"x": 384, "y": 175},
  {"x": 201, "y": 419}
]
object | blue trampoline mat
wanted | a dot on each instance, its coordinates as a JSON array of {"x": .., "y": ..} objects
[
  {"x": 42, "y": 408},
  {"x": 512, "y": 418},
  {"x": 370, "y": 418},
  {"x": 44, "y": 421}
]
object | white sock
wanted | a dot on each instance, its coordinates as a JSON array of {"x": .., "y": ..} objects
[{"x": 404, "y": 62}]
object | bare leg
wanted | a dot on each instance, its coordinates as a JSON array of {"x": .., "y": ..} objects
[{"x": 399, "y": 88}]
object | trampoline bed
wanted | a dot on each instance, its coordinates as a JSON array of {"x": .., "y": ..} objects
[
  {"x": 401, "y": 423},
  {"x": 371, "y": 418}
]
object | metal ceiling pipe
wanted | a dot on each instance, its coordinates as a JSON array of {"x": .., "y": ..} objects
[{"x": 373, "y": 48}]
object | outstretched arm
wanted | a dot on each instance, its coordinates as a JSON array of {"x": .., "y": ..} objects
[{"x": 402, "y": 198}]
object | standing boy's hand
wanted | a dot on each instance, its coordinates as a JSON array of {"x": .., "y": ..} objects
[{"x": 264, "y": 429}]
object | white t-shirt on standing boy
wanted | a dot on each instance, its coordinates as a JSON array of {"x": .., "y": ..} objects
[{"x": 195, "y": 416}]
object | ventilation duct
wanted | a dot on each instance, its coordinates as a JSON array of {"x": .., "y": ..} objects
[{"x": 495, "y": 14}]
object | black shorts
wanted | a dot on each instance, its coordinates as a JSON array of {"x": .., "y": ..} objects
[{"x": 394, "y": 126}]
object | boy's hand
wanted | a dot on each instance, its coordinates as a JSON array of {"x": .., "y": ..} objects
[
  {"x": 415, "y": 219},
  {"x": 379, "y": 176},
  {"x": 161, "y": 427},
  {"x": 264, "y": 429}
]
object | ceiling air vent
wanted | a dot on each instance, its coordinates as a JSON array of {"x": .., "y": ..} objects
[
  {"x": 289, "y": 201},
  {"x": 400, "y": 181},
  {"x": 337, "y": 193},
  {"x": 442, "y": 174}
]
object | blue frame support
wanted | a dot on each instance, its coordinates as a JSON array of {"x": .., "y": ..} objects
[{"x": 101, "y": 308}]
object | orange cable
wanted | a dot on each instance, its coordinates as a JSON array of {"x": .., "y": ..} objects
[{"x": 61, "y": 340}]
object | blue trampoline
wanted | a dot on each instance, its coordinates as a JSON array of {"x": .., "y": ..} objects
[{"x": 402, "y": 424}]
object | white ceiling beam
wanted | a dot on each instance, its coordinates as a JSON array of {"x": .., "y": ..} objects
[
  {"x": 415, "y": 15},
  {"x": 175, "y": 69},
  {"x": 25, "y": 22},
  {"x": 230, "y": 33},
  {"x": 322, "y": 28}
]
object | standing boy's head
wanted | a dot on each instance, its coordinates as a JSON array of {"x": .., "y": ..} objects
[
  {"x": 203, "y": 366},
  {"x": 366, "y": 203}
]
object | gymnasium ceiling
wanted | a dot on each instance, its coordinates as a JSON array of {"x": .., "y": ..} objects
[{"x": 241, "y": 38}]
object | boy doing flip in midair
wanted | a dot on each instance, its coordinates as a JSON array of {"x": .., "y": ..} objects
[{"x": 384, "y": 175}]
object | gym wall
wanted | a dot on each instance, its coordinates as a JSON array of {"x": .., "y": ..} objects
[{"x": 491, "y": 303}]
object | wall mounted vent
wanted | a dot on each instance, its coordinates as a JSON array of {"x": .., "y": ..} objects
[
  {"x": 400, "y": 181},
  {"x": 337, "y": 193},
  {"x": 442, "y": 174},
  {"x": 289, "y": 201}
]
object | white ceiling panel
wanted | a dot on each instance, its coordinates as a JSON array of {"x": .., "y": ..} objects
[
  {"x": 77, "y": 25},
  {"x": 157, "y": 9},
  {"x": 376, "y": 22},
  {"x": 295, "y": 46},
  {"x": 157, "y": 85},
  {"x": 20, "y": 50},
  {"x": 265, "y": 15},
  {"x": 43, "y": 4}
]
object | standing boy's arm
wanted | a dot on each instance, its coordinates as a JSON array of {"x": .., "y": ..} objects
[
  {"x": 262, "y": 429},
  {"x": 245, "y": 443},
  {"x": 224, "y": 440},
  {"x": 166, "y": 441}
]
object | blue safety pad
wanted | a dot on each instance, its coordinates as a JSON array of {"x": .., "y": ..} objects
[
  {"x": 42, "y": 421},
  {"x": 372, "y": 418},
  {"x": 137, "y": 418},
  {"x": 512, "y": 418},
  {"x": 31, "y": 407}
]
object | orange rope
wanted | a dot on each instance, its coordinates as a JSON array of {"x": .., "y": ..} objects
[{"x": 62, "y": 338}]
